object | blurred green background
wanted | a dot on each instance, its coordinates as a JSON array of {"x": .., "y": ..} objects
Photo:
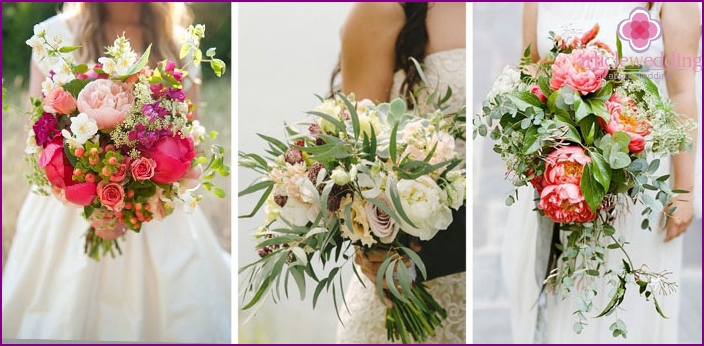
[{"x": 19, "y": 18}]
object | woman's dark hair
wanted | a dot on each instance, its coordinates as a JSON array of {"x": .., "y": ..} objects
[{"x": 410, "y": 43}]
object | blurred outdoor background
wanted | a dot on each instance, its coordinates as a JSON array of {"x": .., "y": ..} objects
[
  {"x": 18, "y": 20},
  {"x": 287, "y": 52},
  {"x": 497, "y": 43}
]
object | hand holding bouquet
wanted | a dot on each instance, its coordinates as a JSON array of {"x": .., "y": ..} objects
[
  {"x": 362, "y": 176},
  {"x": 118, "y": 138},
  {"x": 587, "y": 133}
]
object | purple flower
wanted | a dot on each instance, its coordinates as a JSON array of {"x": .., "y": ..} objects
[
  {"x": 176, "y": 94},
  {"x": 154, "y": 111},
  {"x": 45, "y": 129}
]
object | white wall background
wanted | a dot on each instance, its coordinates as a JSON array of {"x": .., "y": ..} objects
[{"x": 287, "y": 52}]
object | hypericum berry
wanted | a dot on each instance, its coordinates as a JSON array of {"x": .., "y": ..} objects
[
  {"x": 93, "y": 160},
  {"x": 128, "y": 205},
  {"x": 77, "y": 172},
  {"x": 106, "y": 171},
  {"x": 94, "y": 151},
  {"x": 112, "y": 161},
  {"x": 79, "y": 152},
  {"x": 90, "y": 177},
  {"x": 138, "y": 206},
  {"x": 130, "y": 193}
]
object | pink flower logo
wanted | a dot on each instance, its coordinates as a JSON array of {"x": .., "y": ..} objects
[{"x": 639, "y": 29}]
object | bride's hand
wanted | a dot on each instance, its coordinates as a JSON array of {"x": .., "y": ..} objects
[
  {"x": 369, "y": 262},
  {"x": 679, "y": 221}
]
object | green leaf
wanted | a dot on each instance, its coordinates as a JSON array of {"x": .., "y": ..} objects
[
  {"x": 256, "y": 187},
  {"x": 265, "y": 285},
  {"x": 68, "y": 49},
  {"x": 279, "y": 144},
  {"x": 609, "y": 230},
  {"x": 588, "y": 128},
  {"x": 581, "y": 109},
  {"x": 524, "y": 100},
  {"x": 604, "y": 94},
  {"x": 599, "y": 109},
  {"x": 619, "y": 160},
  {"x": 380, "y": 277},
  {"x": 75, "y": 86},
  {"x": 392, "y": 143},
  {"x": 544, "y": 85},
  {"x": 591, "y": 189},
  {"x": 619, "y": 48},
  {"x": 185, "y": 49},
  {"x": 531, "y": 141},
  {"x": 397, "y": 108},
  {"x": 218, "y": 66},
  {"x": 259, "y": 203},
  {"x": 601, "y": 169},
  {"x": 391, "y": 282},
  {"x": 220, "y": 192},
  {"x": 297, "y": 273},
  {"x": 526, "y": 53},
  {"x": 413, "y": 256},
  {"x": 571, "y": 132},
  {"x": 198, "y": 57},
  {"x": 140, "y": 63},
  {"x": 657, "y": 308},
  {"x": 353, "y": 115},
  {"x": 336, "y": 122},
  {"x": 210, "y": 52}
]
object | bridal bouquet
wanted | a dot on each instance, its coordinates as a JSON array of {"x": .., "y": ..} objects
[
  {"x": 118, "y": 138},
  {"x": 363, "y": 177},
  {"x": 587, "y": 134}
]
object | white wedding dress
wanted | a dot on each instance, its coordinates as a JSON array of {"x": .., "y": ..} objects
[
  {"x": 171, "y": 283},
  {"x": 524, "y": 262},
  {"x": 365, "y": 320}
]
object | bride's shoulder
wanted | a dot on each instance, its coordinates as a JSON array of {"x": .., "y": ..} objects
[
  {"x": 60, "y": 24},
  {"x": 374, "y": 18}
]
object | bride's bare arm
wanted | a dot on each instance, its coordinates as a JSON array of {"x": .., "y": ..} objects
[
  {"x": 530, "y": 23},
  {"x": 367, "y": 55},
  {"x": 681, "y": 38}
]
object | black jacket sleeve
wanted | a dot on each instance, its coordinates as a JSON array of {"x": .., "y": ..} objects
[{"x": 446, "y": 253}]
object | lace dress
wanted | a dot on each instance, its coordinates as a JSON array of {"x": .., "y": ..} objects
[
  {"x": 527, "y": 239},
  {"x": 171, "y": 283},
  {"x": 365, "y": 321}
]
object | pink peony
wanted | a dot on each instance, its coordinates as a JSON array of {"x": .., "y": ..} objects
[
  {"x": 106, "y": 101},
  {"x": 564, "y": 203},
  {"x": 536, "y": 90},
  {"x": 59, "y": 101},
  {"x": 111, "y": 195},
  {"x": 582, "y": 70},
  {"x": 81, "y": 193},
  {"x": 143, "y": 168},
  {"x": 56, "y": 165},
  {"x": 565, "y": 165},
  {"x": 623, "y": 119},
  {"x": 173, "y": 156}
]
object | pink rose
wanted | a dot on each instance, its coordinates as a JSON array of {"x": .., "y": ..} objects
[
  {"x": 106, "y": 101},
  {"x": 564, "y": 203},
  {"x": 173, "y": 156},
  {"x": 121, "y": 172},
  {"x": 381, "y": 224},
  {"x": 565, "y": 165},
  {"x": 537, "y": 92},
  {"x": 81, "y": 193},
  {"x": 143, "y": 168},
  {"x": 622, "y": 118},
  {"x": 582, "y": 70},
  {"x": 59, "y": 101},
  {"x": 58, "y": 169},
  {"x": 111, "y": 195}
]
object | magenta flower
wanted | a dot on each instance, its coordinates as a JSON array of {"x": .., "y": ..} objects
[
  {"x": 639, "y": 29},
  {"x": 45, "y": 129}
]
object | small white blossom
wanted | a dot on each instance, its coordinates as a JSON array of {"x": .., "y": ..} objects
[
  {"x": 38, "y": 48},
  {"x": 32, "y": 147},
  {"x": 83, "y": 127},
  {"x": 197, "y": 132},
  {"x": 506, "y": 82},
  {"x": 40, "y": 30},
  {"x": 339, "y": 176}
]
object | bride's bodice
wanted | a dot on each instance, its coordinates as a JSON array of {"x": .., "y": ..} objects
[{"x": 444, "y": 68}]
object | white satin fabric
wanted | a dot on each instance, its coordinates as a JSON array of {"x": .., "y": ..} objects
[
  {"x": 523, "y": 247},
  {"x": 171, "y": 283}
]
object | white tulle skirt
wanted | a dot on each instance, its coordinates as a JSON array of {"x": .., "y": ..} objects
[{"x": 171, "y": 283}]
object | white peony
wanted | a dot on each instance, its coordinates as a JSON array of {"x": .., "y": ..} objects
[
  {"x": 296, "y": 212},
  {"x": 456, "y": 192},
  {"x": 425, "y": 204},
  {"x": 507, "y": 81}
]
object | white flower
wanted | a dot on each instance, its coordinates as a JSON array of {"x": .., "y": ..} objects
[
  {"x": 38, "y": 48},
  {"x": 83, "y": 127},
  {"x": 369, "y": 186},
  {"x": 507, "y": 81},
  {"x": 72, "y": 142},
  {"x": 197, "y": 132},
  {"x": 297, "y": 212},
  {"x": 109, "y": 65},
  {"x": 456, "y": 192},
  {"x": 330, "y": 108},
  {"x": 189, "y": 202},
  {"x": 47, "y": 85},
  {"x": 425, "y": 204},
  {"x": 32, "y": 147},
  {"x": 340, "y": 176},
  {"x": 40, "y": 29},
  {"x": 123, "y": 66}
]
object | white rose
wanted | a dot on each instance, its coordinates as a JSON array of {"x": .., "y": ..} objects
[
  {"x": 330, "y": 108},
  {"x": 425, "y": 204}
]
